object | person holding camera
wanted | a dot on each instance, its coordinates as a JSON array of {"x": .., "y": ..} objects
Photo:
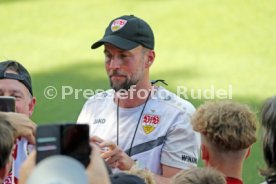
[
  {"x": 137, "y": 122},
  {"x": 15, "y": 81}
]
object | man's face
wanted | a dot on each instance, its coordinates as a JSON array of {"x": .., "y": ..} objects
[
  {"x": 24, "y": 102},
  {"x": 124, "y": 67}
]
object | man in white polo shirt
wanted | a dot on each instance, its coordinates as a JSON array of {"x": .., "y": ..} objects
[{"x": 137, "y": 121}]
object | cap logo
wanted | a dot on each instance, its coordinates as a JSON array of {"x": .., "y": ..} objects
[{"x": 118, "y": 24}]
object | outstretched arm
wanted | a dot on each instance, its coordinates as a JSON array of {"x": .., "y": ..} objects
[
  {"x": 117, "y": 158},
  {"x": 22, "y": 125}
]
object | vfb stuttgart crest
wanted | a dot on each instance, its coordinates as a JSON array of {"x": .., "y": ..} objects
[
  {"x": 150, "y": 122},
  {"x": 118, "y": 24}
]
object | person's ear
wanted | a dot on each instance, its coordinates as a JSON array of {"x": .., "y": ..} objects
[
  {"x": 31, "y": 106},
  {"x": 148, "y": 64},
  {"x": 150, "y": 58},
  {"x": 248, "y": 152}
]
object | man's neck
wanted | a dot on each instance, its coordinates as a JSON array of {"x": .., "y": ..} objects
[{"x": 229, "y": 168}]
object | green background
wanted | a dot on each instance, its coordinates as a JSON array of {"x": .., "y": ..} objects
[{"x": 199, "y": 44}]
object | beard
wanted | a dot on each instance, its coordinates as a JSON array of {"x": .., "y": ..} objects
[{"x": 124, "y": 84}]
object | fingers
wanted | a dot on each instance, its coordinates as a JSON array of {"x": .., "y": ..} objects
[
  {"x": 30, "y": 133},
  {"x": 108, "y": 150},
  {"x": 114, "y": 165},
  {"x": 23, "y": 126},
  {"x": 114, "y": 159},
  {"x": 31, "y": 138},
  {"x": 27, "y": 129},
  {"x": 96, "y": 139},
  {"x": 114, "y": 156},
  {"x": 111, "y": 153},
  {"x": 102, "y": 143},
  {"x": 109, "y": 144}
]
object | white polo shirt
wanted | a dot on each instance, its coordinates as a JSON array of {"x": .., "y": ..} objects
[{"x": 164, "y": 134}]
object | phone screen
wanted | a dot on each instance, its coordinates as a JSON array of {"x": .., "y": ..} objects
[
  {"x": 75, "y": 142},
  {"x": 7, "y": 104},
  {"x": 67, "y": 139},
  {"x": 47, "y": 141}
]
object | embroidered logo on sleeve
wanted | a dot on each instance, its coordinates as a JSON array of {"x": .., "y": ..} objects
[
  {"x": 187, "y": 158},
  {"x": 150, "y": 122},
  {"x": 118, "y": 24}
]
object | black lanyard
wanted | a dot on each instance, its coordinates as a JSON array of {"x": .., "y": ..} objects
[{"x": 129, "y": 152}]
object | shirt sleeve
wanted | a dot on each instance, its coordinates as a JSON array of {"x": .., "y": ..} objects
[
  {"x": 182, "y": 144},
  {"x": 84, "y": 114}
]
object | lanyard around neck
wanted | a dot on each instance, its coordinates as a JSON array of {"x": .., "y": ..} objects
[{"x": 118, "y": 123}]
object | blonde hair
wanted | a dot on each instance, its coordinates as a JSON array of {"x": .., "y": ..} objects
[
  {"x": 142, "y": 173},
  {"x": 199, "y": 176},
  {"x": 229, "y": 126}
]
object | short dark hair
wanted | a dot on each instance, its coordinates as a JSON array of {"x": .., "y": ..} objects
[
  {"x": 268, "y": 122},
  {"x": 6, "y": 143}
]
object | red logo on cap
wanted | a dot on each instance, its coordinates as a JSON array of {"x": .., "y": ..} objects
[{"x": 118, "y": 24}]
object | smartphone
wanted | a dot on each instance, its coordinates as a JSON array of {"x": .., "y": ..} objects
[
  {"x": 63, "y": 139},
  {"x": 7, "y": 103}
]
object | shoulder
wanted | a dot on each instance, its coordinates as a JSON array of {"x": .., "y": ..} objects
[
  {"x": 94, "y": 104},
  {"x": 100, "y": 97},
  {"x": 173, "y": 101}
]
